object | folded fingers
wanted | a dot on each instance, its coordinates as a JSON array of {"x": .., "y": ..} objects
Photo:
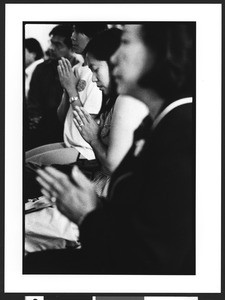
[
  {"x": 81, "y": 115},
  {"x": 79, "y": 118},
  {"x": 60, "y": 72},
  {"x": 63, "y": 66},
  {"x": 67, "y": 64},
  {"x": 77, "y": 125},
  {"x": 52, "y": 182},
  {"x": 85, "y": 114}
]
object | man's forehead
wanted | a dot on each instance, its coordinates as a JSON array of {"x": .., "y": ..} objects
[{"x": 57, "y": 38}]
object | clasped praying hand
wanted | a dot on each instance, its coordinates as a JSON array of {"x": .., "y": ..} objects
[
  {"x": 87, "y": 126},
  {"x": 67, "y": 77},
  {"x": 74, "y": 196}
]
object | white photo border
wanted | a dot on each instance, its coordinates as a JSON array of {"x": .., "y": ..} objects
[{"x": 208, "y": 18}]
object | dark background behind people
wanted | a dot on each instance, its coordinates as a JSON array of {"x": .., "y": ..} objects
[{"x": 33, "y": 57}]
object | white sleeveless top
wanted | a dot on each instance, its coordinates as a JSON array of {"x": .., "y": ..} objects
[{"x": 91, "y": 98}]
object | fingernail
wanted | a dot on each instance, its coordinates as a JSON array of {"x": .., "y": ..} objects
[
  {"x": 38, "y": 179},
  {"x": 39, "y": 171}
]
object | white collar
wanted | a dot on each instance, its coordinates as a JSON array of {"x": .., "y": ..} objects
[{"x": 169, "y": 108}]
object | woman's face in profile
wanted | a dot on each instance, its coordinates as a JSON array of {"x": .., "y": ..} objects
[
  {"x": 100, "y": 73},
  {"x": 131, "y": 60}
]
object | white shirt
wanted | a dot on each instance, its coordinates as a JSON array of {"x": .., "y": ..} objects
[{"x": 91, "y": 98}]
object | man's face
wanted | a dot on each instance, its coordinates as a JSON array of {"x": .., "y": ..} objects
[
  {"x": 79, "y": 41},
  {"x": 58, "y": 48}
]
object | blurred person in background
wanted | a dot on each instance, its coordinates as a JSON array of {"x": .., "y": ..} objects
[
  {"x": 46, "y": 91},
  {"x": 33, "y": 57}
]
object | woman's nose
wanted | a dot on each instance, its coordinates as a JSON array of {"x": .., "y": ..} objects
[{"x": 94, "y": 78}]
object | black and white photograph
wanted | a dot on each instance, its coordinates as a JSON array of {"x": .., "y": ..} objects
[
  {"x": 113, "y": 116},
  {"x": 135, "y": 187}
]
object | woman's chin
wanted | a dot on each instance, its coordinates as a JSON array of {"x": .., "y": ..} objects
[{"x": 121, "y": 89}]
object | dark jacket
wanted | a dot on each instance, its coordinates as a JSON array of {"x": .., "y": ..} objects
[
  {"x": 147, "y": 226},
  {"x": 45, "y": 89}
]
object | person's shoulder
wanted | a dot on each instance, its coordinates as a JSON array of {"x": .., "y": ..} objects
[
  {"x": 45, "y": 68},
  {"x": 131, "y": 106},
  {"x": 83, "y": 70},
  {"x": 84, "y": 73},
  {"x": 47, "y": 64},
  {"x": 177, "y": 121},
  {"x": 183, "y": 113}
]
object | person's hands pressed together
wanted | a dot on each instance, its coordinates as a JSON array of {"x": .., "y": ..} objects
[
  {"x": 74, "y": 197},
  {"x": 86, "y": 125},
  {"x": 67, "y": 77}
]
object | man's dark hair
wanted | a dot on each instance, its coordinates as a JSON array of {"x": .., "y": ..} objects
[
  {"x": 32, "y": 45},
  {"x": 173, "y": 46},
  {"x": 65, "y": 31},
  {"x": 90, "y": 29}
]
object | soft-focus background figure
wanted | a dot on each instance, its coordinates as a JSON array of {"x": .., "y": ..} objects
[
  {"x": 33, "y": 57},
  {"x": 45, "y": 90}
]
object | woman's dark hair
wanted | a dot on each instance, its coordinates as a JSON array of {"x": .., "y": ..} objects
[
  {"x": 65, "y": 31},
  {"x": 102, "y": 47},
  {"x": 173, "y": 47},
  {"x": 104, "y": 44},
  {"x": 32, "y": 45},
  {"x": 90, "y": 29}
]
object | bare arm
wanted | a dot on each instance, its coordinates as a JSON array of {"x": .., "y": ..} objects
[
  {"x": 63, "y": 107},
  {"x": 127, "y": 116}
]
